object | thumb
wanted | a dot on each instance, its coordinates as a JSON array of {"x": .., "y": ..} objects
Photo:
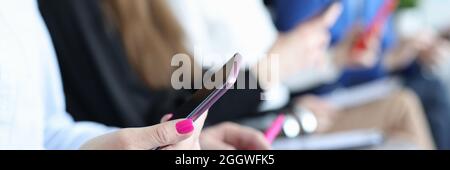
[
  {"x": 329, "y": 17},
  {"x": 167, "y": 133}
]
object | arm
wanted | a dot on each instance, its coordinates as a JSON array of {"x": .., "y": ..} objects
[{"x": 61, "y": 131}]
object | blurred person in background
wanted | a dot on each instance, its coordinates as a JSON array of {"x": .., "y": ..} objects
[{"x": 385, "y": 55}]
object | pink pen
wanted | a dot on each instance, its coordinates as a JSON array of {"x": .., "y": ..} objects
[{"x": 275, "y": 128}]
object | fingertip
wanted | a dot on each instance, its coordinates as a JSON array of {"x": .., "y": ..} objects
[
  {"x": 265, "y": 145},
  {"x": 332, "y": 14},
  {"x": 260, "y": 142}
]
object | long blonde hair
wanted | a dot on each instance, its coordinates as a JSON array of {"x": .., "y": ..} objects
[{"x": 151, "y": 36}]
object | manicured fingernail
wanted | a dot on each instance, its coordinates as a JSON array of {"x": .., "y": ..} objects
[{"x": 185, "y": 126}]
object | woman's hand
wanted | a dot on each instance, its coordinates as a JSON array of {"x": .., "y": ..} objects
[
  {"x": 230, "y": 136},
  {"x": 427, "y": 47},
  {"x": 303, "y": 47},
  {"x": 325, "y": 112},
  {"x": 182, "y": 134},
  {"x": 433, "y": 50}
]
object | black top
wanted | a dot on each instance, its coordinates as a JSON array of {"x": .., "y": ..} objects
[{"x": 99, "y": 83}]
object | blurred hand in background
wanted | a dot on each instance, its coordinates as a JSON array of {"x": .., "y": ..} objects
[
  {"x": 324, "y": 112},
  {"x": 426, "y": 46},
  {"x": 305, "y": 46},
  {"x": 231, "y": 136}
]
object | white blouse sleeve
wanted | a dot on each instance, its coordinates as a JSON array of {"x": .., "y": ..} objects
[{"x": 32, "y": 105}]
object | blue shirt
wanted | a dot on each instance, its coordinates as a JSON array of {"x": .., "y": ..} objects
[{"x": 289, "y": 13}]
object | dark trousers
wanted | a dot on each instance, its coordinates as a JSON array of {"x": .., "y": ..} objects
[{"x": 434, "y": 97}]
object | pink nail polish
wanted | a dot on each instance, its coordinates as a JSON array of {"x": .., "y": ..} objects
[{"x": 185, "y": 126}]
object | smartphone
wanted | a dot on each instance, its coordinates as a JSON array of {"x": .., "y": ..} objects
[
  {"x": 204, "y": 98},
  {"x": 380, "y": 19}
]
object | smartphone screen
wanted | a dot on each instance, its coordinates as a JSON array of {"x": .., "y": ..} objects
[{"x": 204, "y": 98}]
